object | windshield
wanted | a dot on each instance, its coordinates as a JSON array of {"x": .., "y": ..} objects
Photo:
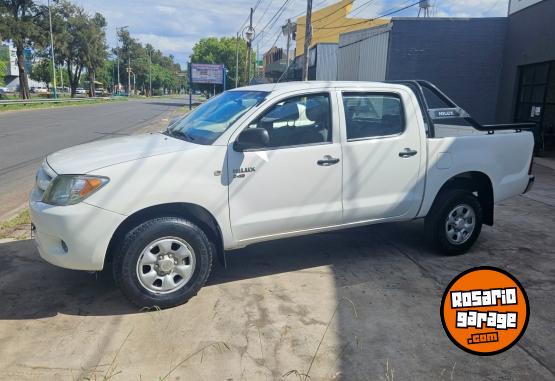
[{"x": 207, "y": 122}]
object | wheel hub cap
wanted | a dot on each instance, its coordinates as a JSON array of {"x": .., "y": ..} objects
[
  {"x": 460, "y": 224},
  {"x": 166, "y": 265}
]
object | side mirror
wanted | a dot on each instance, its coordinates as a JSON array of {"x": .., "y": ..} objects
[{"x": 252, "y": 138}]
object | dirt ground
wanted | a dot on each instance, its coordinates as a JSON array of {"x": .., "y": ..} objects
[{"x": 356, "y": 305}]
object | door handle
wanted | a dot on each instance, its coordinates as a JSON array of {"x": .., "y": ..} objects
[
  {"x": 407, "y": 153},
  {"x": 328, "y": 161}
]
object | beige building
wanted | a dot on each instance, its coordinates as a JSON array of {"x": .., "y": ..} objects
[{"x": 329, "y": 22}]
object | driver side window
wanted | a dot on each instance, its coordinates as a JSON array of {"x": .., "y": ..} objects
[{"x": 298, "y": 121}]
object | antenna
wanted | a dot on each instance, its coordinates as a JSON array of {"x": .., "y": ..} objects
[{"x": 424, "y": 10}]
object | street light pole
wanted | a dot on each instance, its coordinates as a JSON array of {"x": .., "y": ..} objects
[
  {"x": 237, "y": 62},
  {"x": 52, "y": 50},
  {"x": 118, "y": 52},
  {"x": 129, "y": 76},
  {"x": 150, "y": 73}
]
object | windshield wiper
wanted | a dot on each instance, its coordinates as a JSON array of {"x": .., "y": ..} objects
[{"x": 179, "y": 133}]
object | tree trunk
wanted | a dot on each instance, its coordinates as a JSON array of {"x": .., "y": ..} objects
[
  {"x": 92, "y": 84},
  {"x": 23, "y": 82},
  {"x": 72, "y": 85}
]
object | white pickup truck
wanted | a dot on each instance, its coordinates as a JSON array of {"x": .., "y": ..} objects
[{"x": 272, "y": 161}]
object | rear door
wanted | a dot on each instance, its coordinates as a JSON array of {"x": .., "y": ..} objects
[
  {"x": 295, "y": 183},
  {"x": 383, "y": 155}
]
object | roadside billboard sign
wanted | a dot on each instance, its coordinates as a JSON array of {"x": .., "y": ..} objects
[{"x": 206, "y": 73}]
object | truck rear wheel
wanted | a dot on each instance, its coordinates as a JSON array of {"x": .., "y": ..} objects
[
  {"x": 455, "y": 221},
  {"x": 163, "y": 262}
]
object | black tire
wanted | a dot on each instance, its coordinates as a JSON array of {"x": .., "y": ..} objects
[
  {"x": 136, "y": 240},
  {"x": 436, "y": 220}
]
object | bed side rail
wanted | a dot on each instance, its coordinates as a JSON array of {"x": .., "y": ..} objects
[{"x": 453, "y": 111}]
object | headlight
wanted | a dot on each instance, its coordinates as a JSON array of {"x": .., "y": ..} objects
[{"x": 72, "y": 189}]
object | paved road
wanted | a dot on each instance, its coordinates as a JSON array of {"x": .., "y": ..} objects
[
  {"x": 26, "y": 137},
  {"x": 287, "y": 306}
]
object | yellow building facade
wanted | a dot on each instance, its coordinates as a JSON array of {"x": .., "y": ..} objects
[{"x": 329, "y": 22}]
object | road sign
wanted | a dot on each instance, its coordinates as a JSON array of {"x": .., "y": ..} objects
[{"x": 206, "y": 73}]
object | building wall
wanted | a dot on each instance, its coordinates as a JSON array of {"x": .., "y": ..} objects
[
  {"x": 362, "y": 55},
  {"x": 530, "y": 39},
  {"x": 463, "y": 57},
  {"x": 329, "y": 22},
  {"x": 326, "y": 62}
]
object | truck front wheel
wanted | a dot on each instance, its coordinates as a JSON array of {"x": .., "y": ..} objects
[
  {"x": 455, "y": 221},
  {"x": 163, "y": 262}
]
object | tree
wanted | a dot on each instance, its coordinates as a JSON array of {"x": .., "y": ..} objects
[
  {"x": 80, "y": 42},
  {"x": 20, "y": 21},
  {"x": 4, "y": 62},
  {"x": 42, "y": 71},
  {"x": 95, "y": 53},
  {"x": 145, "y": 59},
  {"x": 212, "y": 50}
]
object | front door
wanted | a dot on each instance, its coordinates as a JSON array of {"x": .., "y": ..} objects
[
  {"x": 382, "y": 156},
  {"x": 294, "y": 184}
]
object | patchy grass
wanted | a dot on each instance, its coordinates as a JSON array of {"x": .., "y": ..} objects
[
  {"x": 18, "y": 227},
  {"x": 33, "y": 106}
]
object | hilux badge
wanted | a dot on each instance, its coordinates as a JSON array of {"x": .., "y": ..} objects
[{"x": 241, "y": 172}]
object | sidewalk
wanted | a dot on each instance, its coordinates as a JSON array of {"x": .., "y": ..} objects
[{"x": 548, "y": 162}]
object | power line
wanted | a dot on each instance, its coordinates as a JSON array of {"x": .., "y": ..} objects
[
  {"x": 264, "y": 13},
  {"x": 337, "y": 10},
  {"x": 390, "y": 11},
  {"x": 375, "y": 18},
  {"x": 248, "y": 17},
  {"x": 273, "y": 19},
  {"x": 303, "y": 12}
]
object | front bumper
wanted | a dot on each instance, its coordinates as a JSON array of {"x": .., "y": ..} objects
[
  {"x": 74, "y": 237},
  {"x": 530, "y": 185}
]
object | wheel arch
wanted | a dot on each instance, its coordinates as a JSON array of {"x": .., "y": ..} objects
[
  {"x": 478, "y": 183},
  {"x": 195, "y": 213}
]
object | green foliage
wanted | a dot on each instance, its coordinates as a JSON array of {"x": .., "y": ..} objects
[
  {"x": 81, "y": 49},
  {"x": 20, "y": 21},
  {"x": 4, "y": 62},
  {"x": 147, "y": 63},
  {"x": 80, "y": 41},
  {"x": 212, "y": 50},
  {"x": 42, "y": 71}
]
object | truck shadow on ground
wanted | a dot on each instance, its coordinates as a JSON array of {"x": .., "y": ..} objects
[{"x": 31, "y": 288}]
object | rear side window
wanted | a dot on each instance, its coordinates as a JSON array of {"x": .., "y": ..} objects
[{"x": 373, "y": 115}]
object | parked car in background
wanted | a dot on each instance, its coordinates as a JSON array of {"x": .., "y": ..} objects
[
  {"x": 4, "y": 90},
  {"x": 39, "y": 90},
  {"x": 267, "y": 162},
  {"x": 100, "y": 92},
  {"x": 80, "y": 91}
]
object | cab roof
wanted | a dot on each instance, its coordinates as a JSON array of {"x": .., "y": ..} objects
[{"x": 284, "y": 87}]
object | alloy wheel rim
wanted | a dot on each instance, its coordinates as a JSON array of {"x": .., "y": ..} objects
[
  {"x": 460, "y": 224},
  {"x": 166, "y": 265}
]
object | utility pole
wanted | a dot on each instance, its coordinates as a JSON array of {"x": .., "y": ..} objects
[
  {"x": 255, "y": 70},
  {"x": 288, "y": 30},
  {"x": 249, "y": 34},
  {"x": 307, "y": 38},
  {"x": 52, "y": 51}
]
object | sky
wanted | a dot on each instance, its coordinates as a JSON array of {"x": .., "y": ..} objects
[{"x": 173, "y": 26}]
